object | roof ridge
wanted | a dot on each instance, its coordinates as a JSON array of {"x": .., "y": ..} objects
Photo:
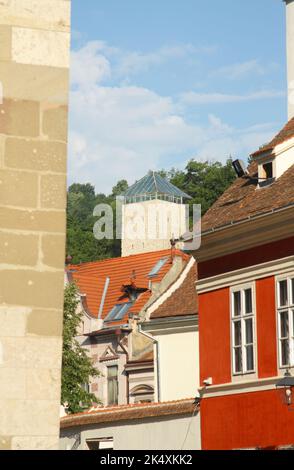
[
  {"x": 137, "y": 255},
  {"x": 117, "y": 408},
  {"x": 155, "y": 181},
  {"x": 286, "y": 133}
]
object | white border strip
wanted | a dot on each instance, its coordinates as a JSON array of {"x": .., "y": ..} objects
[
  {"x": 246, "y": 275},
  {"x": 236, "y": 388}
]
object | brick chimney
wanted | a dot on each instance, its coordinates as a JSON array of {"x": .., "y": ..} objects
[{"x": 290, "y": 55}]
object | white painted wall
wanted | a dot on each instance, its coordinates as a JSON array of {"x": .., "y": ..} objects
[
  {"x": 285, "y": 156},
  {"x": 178, "y": 364},
  {"x": 154, "y": 223},
  {"x": 164, "y": 433},
  {"x": 290, "y": 55}
]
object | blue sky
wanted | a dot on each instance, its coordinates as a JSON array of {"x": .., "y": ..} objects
[{"x": 158, "y": 82}]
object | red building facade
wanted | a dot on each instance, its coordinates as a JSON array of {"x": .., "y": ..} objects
[{"x": 246, "y": 304}]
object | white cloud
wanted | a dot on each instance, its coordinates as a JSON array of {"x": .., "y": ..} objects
[
  {"x": 135, "y": 62},
  {"x": 89, "y": 66},
  {"x": 120, "y": 132},
  {"x": 239, "y": 70},
  {"x": 194, "y": 98},
  {"x": 242, "y": 70},
  {"x": 235, "y": 142}
]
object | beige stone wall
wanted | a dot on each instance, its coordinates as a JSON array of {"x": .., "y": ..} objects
[
  {"x": 34, "y": 62},
  {"x": 150, "y": 225}
]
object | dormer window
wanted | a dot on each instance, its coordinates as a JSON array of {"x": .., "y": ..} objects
[
  {"x": 266, "y": 173},
  {"x": 268, "y": 170}
]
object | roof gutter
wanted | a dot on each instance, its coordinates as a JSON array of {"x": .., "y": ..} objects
[{"x": 242, "y": 221}]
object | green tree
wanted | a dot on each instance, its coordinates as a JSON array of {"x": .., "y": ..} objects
[
  {"x": 77, "y": 366},
  {"x": 205, "y": 182},
  {"x": 82, "y": 246},
  {"x": 120, "y": 188}
]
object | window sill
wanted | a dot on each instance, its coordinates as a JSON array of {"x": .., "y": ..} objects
[{"x": 239, "y": 378}]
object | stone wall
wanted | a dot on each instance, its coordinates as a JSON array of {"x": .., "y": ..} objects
[
  {"x": 34, "y": 64},
  {"x": 150, "y": 225}
]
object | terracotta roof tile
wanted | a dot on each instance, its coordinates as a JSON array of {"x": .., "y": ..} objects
[
  {"x": 286, "y": 133},
  {"x": 183, "y": 301},
  {"x": 91, "y": 277},
  {"x": 129, "y": 412},
  {"x": 243, "y": 199}
]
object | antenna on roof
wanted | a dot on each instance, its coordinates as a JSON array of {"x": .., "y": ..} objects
[{"x": 240, "y": 168}]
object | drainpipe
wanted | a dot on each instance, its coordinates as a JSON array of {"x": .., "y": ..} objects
[{"x": 156, "y": 343}]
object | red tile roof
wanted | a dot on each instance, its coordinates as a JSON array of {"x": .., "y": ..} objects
[
  {"x": 129, "y": 412},
  {"x": 286, "y": 133},
  {"x": 243, "y": 199},
  {"x": 91, "y": 277},
  {"x": 183, "y": 301}
]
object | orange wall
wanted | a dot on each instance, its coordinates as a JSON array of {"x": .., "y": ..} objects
[
  {"x": 242, "y": 259},
  {"x": 214, "y": 332},
  {"x": 214, "y": 336},
  {"x": 266, "y": 327},
  {"x": 256, "y": 419}
]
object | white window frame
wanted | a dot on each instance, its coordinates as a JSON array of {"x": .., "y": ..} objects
[
  {"x": 108, "y": 379},
  {"x": 290, "y": 309},
  {"x": 261, "y": 171},
  {"x": 243, "y": 317}
]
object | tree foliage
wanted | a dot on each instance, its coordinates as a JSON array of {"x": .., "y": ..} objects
[
  {"x": 82, "y": 246},
  {"x": 203, "y": 181},
  {"x": 77, "y": 366}
]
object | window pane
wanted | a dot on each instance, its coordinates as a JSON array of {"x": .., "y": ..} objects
[
  {"x": 284, "y": 352},
  {"x": 112, "y": 385},
  {"x": 237, "y": 333},
  {"x": 284, "y": 325},
  {"x": 268, "y": 170},
  {"x": 249, "y": 358},
  {"x": 237, "y": 304},
  {"x": 249, "y": 331},
  {"x": 112, "y": 371},
  {"x": 283, "y": 293},
  {"x": 248, "y": 301},
  {"x": 238, "y": 359}
]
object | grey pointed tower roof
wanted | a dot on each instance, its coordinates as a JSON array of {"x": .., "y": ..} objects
[{"x": 154, "y": 186}]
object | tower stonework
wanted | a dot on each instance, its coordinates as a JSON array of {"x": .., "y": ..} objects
[
  {"x": 290, "y": 55},
  {"x": 153, "y": 213},
  {"x": 34, "y": 66}
]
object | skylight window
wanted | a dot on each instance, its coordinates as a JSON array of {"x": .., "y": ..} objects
[
  {"x": 155, "y": 270},
  {"x": 118, "y": 311}
]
